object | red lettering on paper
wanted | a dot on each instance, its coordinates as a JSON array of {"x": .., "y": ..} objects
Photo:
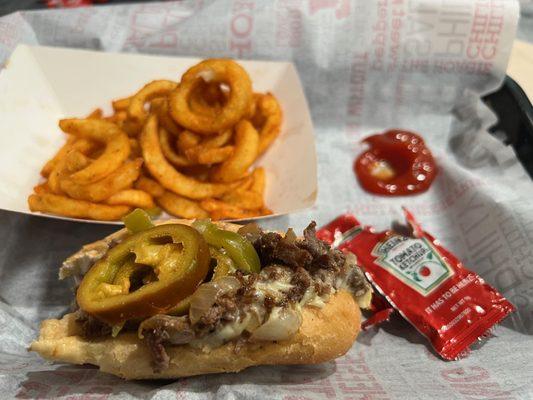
[
  {"x": 154, "y": 26},
  {"x": 341, "y": 7},
  {"x": 32, "y": 389},
  {"x": 356, "y": 380},
  {"x": 472, "y": 374},
  {"x": 74, "y": 383},
  {"x": 303, "y": 380},
  {"x": 379, "y": 36},
  {"x": 356, "y": 96},
  {"x": 487, "y": 27},
  {"x": 289, "y": 25},
  {"x": 290, "y": 397},
  {"x": 474, "y": 382},
  {"x": 241, "y": 27}
]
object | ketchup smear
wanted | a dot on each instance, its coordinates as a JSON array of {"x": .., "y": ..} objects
[{"x": 397, "y": 163}]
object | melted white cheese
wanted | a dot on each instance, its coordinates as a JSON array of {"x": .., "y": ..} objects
[
  {"x": 257, "y": 315},
  {"x": 275, "y": 289}
]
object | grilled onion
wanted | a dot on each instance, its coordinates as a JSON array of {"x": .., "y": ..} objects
[
  {"x": 205, "y": 296},
  {"x": 280, "y": 325}
]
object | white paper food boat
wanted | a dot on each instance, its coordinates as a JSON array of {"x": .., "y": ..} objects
[{"x": 40, "y": 85}]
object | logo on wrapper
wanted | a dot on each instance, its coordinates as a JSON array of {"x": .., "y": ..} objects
[{"x": 415, "y": 261}]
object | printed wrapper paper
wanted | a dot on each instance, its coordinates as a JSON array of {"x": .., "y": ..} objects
[{"x": 365, "y": 66}]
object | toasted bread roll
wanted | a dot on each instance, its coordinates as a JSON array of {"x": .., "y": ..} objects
[{"x": 325, "y": 334}]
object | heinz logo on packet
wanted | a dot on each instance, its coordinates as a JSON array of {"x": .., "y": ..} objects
[{"x": 414, "y": 261}]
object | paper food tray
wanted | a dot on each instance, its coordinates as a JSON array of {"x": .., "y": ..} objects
[{"x": 41, "y": 85}]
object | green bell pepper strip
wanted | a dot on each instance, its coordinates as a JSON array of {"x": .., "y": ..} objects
[
  {"x": 138, "y": 220},
  {"x": 238, "y": 248},
  {"x": 224, "y": 266}
]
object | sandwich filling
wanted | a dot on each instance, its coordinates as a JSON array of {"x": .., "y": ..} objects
[{"x": 241, "y": 306}]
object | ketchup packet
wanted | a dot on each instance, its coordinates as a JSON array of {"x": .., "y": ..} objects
[
  {"x": 450, "y": 305},
  {"x": 381, "y": 312}
]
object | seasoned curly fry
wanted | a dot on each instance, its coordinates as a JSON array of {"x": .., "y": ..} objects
[
  {"x": 72, "y": 162},
  {"x": 171, "y": 179},
  {"x": 160, "y": 107},
  {"x": 55, "y": 175},
  {"x": 150, "y": 91},
  {"x": 247, "y": 200},
  {"x": 75, "y": 160},
  {"x": 218, "y": 140},
  {"x": 118, "y": 118},
  {"x": 135, "y": 148},
  {"x": 246, "y": 147},
  {"x": 201, "y": 155},
  {"x": 117, "y": 147},
  {"x": 95, "y": 114},
  {"x": 207, "y": 98},
  {"x": 246, "y": 184},
  {"x": 165, "y": 139},
  {"x": 60, "y": 205},
  {"x": 41, "y": 188},
  {"x": 196, "y": 140},
  {"x": 210, "y": 150},
  {"x": 122, "y": 178},
  {"x": 258, "y": 181},
  {"x": 121, "y": 104},
  {"x": 186, "y": 140},
  {"x": 221, "y": 71},
  {"x": 149, "y": 186},
  {"x": 133, "y": 198},
  {"x": 250, "y": 196},
  {"x": 270, "y": 109},
  {"x": 221, "y": 210},
  {"x": 180, "y": 206},
  {"x": 73, "y": 143}
]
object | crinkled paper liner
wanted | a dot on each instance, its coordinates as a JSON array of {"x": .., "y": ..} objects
[{"x": 365, "y": 66}]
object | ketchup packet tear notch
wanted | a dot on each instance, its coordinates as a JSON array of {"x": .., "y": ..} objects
[{"x": 450, "y": 305}]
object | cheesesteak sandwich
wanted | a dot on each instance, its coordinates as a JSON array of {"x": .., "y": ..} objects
[{"x": 186, "y": 298}]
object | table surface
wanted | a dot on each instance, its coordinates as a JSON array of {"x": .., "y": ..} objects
[{"x": 520, "y": 66}]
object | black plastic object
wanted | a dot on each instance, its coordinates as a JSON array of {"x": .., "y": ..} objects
[
  {"x": 515, "y": 120},
  {"x": 9, "y": 6}
]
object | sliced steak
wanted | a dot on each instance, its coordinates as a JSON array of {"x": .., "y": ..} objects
[
  {"x": 155, "y": 340},
  {"x": 91, "y": 328},
  {"x": 178, "y": 329}
]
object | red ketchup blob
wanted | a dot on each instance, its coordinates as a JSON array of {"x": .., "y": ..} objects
[{"x": 397, "y": 163}]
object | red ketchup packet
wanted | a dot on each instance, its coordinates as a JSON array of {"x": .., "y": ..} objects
[
  {"x": 449, "y": 304},
  {"x": 381, "y": 312}
]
